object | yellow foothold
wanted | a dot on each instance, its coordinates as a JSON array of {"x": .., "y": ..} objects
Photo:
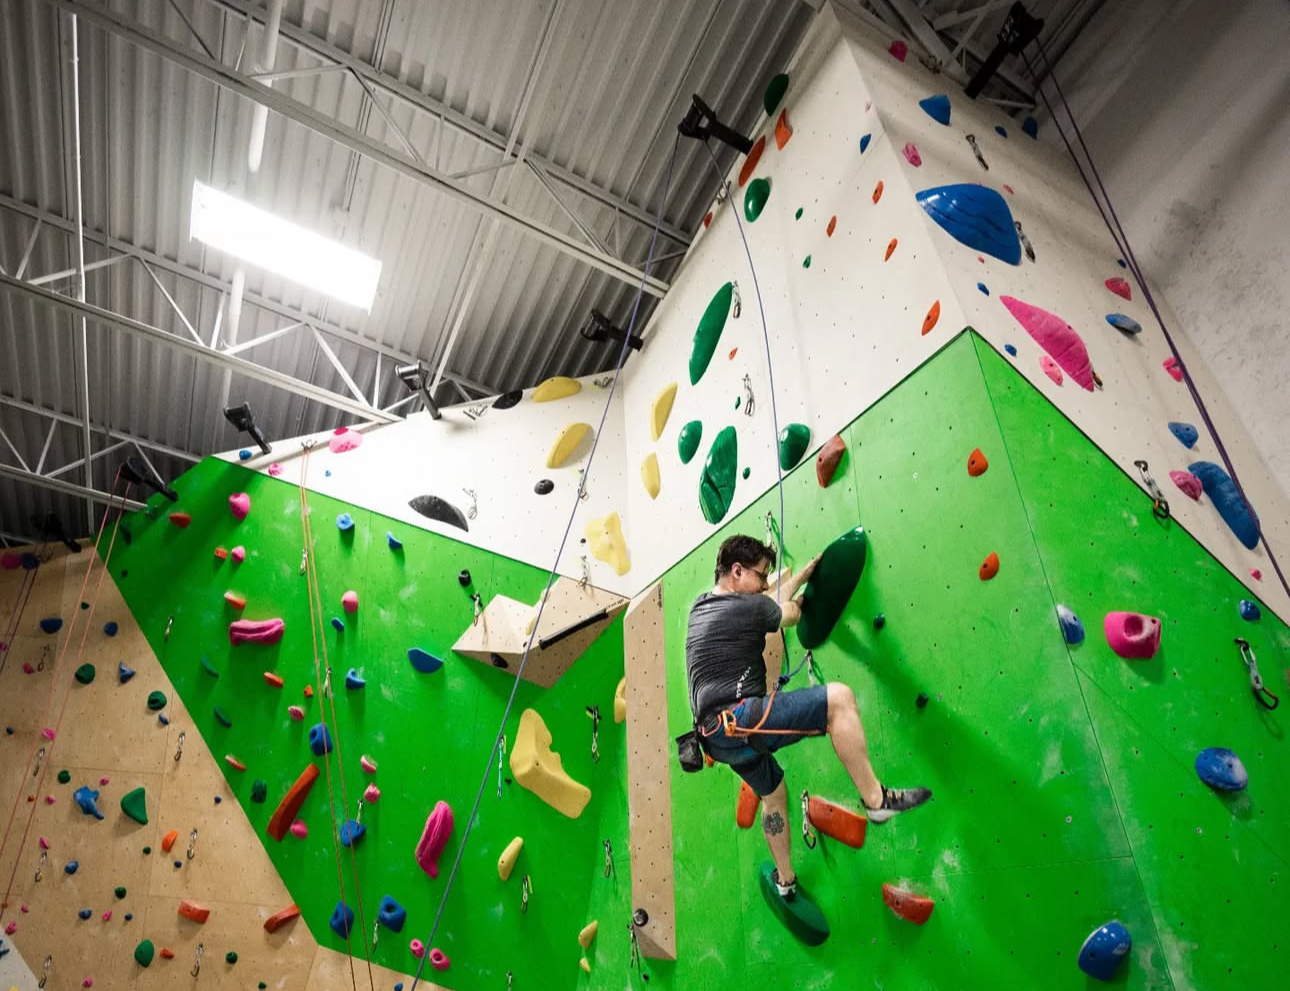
[
  {"x": 620, "y": 701},
  {"x": 605, "y": 537},
  {"x": 537, "y": 767},
  {"x": 649, "y": 475},
  {"x": 588, "y": 934},
  {"x": 661, "y": 410},
  {"x": 506, "y": 862},
  {"x": 570, "y": 439},
  {"x": 584, "y": 963},
  {"x": 558, "y": 387}
]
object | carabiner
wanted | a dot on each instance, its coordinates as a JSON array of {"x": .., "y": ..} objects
[
  {"x": 1261, "y": 692},
  {"x": 808, "y": 837},
  {"x": 1159, "y": 505}
]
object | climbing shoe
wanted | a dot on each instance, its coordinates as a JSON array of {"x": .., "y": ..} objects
[
  {"x": 896, "y": 800},
  {"x": 786, "y": 891}
]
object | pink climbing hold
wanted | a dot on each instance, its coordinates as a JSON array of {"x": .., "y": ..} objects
[
  {"x": 371, "y": 794},
  {"x": 1050, "y": 368},
  {"x": 1173, "y": 368},
  {"x": 107, "y": 916},
  {"x": 238, "y": 554},
  {"x": 368, "y": 764},
  {"x": 44, "y": 843},
  {"x": 1009, "y": 189},
  {"x": 1132, "y": 635},
  {"x": 439, "y": 960},
  {"x": 1120, "y": 287},
  {"x": 898, "y": 50},
  {"x": 255, "y": 631},
  {"x": 27, "y": 668},
  {"x": 344, "y": 440},
  {"x": 1256, "y": 574},
  {"x": 350, "y": 601},
  {"x": 418, "y": 948},
  {"x": 11, "y": 928},
  {"x": 88, "y": 982},
  {"x": 239, "y": 504},
  {"x": 296, "y": 713},
  {"x": 910, "y": 151},
  {"x": 1188, "y": 482},
  {"x": 434, "y": 838},
  {"x": 47, "y": 733},
  {"x": 50, "y": 800},
  {"x": 10, "y": 561},
  {"x": 103, "y": 781},
  {"x": 1055, "y": 336},
  {"x": 275, "y": 469},
  {"x": 299, "y": 829}
]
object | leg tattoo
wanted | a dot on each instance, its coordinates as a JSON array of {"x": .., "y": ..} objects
[{"x": 773, "y": 823}]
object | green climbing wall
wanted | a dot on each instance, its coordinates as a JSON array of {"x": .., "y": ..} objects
[{"x": 430, "y": 734}]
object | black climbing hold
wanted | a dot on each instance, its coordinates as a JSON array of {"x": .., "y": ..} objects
[
  {"x": 508, "y": 399},
  {"x": 922, "y": 700},
  {"x": 463, "y": 578},
  {"x": 498, "y": 661},
  {"x": 879, "y": 621},
  {"x": 432, "y": 507},
  {"x": 544, "y": 486},
  {"x": 640, "y": 917}
]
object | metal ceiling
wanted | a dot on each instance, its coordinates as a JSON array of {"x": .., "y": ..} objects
[{"x": 504, "y": 159}]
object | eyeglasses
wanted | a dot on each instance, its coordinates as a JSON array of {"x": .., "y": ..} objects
[{"x": 763, "y": 575}]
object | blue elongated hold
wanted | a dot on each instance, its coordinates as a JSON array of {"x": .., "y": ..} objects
[
  {"x": 1010, "y": 349},
  {"x": 1105, "y": 948},
  {"x": 352, "y": 680},
  {"x": 1000, "y": 130},
  {"x": 1238, "y": 514},
  {"x": 88, "y": 799},
  {"x": 71, "y": 867},
  {"x": 1250, "y": 611},
  {"x": 319, "y": 739},
  {"x": 338, "y": 624},
  {"x": 110, "y": 629},
  {"x": 1185, "y": 433},
  {"x": 1123, "y": 323},
  {"x": 1072, "y": 626},
  {"x": 937, "y": 107},
  {"x": 1221, "y": 769},
  {"x": 395, "y": 543},
  {"x": 976, "y": 216},
  {"x": 391, "y": 914},
  {"x": 123, "y": 673},
  {"x": 864, "y": 142},
  {"x": 52, "y": 624},
  {"x": 424, "y": 662},
  {"x": 351, "y": 831},
  {"x": 342, "y": 920},
  {"x": 345, "y": 522},
  {"x": 163, "y": 719},
  {"x": 1030, "y": 127},
  {"x": 984, "y": 288}
]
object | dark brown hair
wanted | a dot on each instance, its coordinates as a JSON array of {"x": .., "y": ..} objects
[{"x": 742, "y": 549}]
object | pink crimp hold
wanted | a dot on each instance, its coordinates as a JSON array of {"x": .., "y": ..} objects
[
  {"x": 434, "y": 838},
  {"x": 255, "y": 631}
]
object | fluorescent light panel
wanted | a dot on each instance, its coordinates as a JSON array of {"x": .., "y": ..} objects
[{"x": 260, "y": 238}]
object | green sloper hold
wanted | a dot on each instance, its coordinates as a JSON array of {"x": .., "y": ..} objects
[
  {"x": 755, "y": 197},
  {"x": 711, "y": 324},
  {"x": 830, "y": 587},
  {"x": 135, "y": 805},
  {"x": 802, "y": 917},
  {"x": 223, "y": 718},
  {"x": 144, "y": 952},
  {"x": 717, "y": 487},
  {"x": 85, "y": 674},
  {"x": 793, "y": 442},
  {"x": 688, "y": 440},
  {"x": 775, "y": 91}
]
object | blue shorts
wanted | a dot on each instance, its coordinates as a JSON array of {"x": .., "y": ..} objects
[{"x": 796, "y": 715}]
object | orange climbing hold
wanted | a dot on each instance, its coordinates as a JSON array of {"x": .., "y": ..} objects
[
  {"x": 733, "y": 352},
  {"x": 238, "y": 602},
  {"x": 877, "y": 191},
  {"x": 707, "y": 218},
  {"x": 181, "y": 520},
  {"x": 279, "y": 919},
  {"x": 234, "y": 763},
  {"x": 746, "y": 810},
  {"x": 309, "y": 691},
  {"x": 933, "y": 315},
  {"x": 783, "y": 130},
  {"x": 191, "y": 910},
  {"x": 891, "y": 249},
  {"x": 168, "y": 840},
  {"x": 989, "y": 567},
  {"x": 221, "y": 553},
  {"x": 750, "y": 163},
  {"x": 273, "y": 679},
  {"x": 285, "y": 814},
  {"x": 833, "y": 223},
  {"x": 909, "y": 906},
  {"x": 977, "y": 463},
  {"x": 833, "y": 820},
  {"x": 167, "y": 953}
]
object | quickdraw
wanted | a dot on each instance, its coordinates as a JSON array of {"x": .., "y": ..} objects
[
  {"x": 501, "y": 753},
  {"x": 593, "y": 713},
  {"x": 1159, "y": 505},
  {"x": 609, "y": 859},
  {"x": 738, "y": 303},
  {"x": 1262, "y": 694},
  {"x": 749, "y": 401},
  {"x": 197, "y": 962},
  {"x": 808, "y": 837},
  {"x": 192, "y": 845},
  {"x": 179, "y": 747},
  {"x": 526, "y": 889}
]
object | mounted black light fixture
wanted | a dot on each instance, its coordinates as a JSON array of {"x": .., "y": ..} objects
[
  {"x": 701, "y": 122},
  {"x": 243, "y": 422},
  {"x": 1019, "y": 29},
  {"x": 415, "y": 378},
  {"x": 50, "y": 528},
  {"x": 599, "y": 328},
  {"x": 137, "y": 472}
]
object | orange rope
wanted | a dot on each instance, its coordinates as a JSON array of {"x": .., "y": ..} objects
[{"x": 20, "y": 601}]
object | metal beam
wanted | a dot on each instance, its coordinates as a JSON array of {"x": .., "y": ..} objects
[
  {"x": 405, "y": 165},
  {"x": 67, "y": 488},
  {"x": 74, "y": 421}
]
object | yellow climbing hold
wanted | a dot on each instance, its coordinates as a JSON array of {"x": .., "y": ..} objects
[
  {"x": 536, "y": 766},
  {"x": 588, "y": 934},
  {"x": 649, "y": 475},
  {"x": 506, "y": 862},
  {"x": 620, "y": 701},
  {"x": 661, "y": 410},
  {"x": 584, "y": 963},
  {"x": 558, "y": 387},
  {"x": 571, "y": 437},
  {"x": 605, "y": 536}
]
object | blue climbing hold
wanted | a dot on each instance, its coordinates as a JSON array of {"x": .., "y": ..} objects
[
  {"x": 163, "y": 719},
  {"x": 1185, "y": 433},
  {"x": 88, "y": 800},
  {"x": 1250, "y": 611},
  {"x": 342, "y": 920},
  {"x": 129, "y": 916},
  {"x": 9, "y": 730},
  {"x": 71, "y": 867},
  {"x": 29, "y": 561},
  {"x": 1122, "y": 263},
  {"x": 1072, "y": 627},
  {"x": 1122, "y": 323},
  {"x": 85, "y": 913},
  {"x": 352, "y": 680},
  {"x": 391, "y": 914},
  {"x": 1000, "y": 130},
  {"x": 424, "y": 662},
  {"x": 1237, "y": 513},
  {"x": 395, "y": 543},
  {"x": 319, "y": 739},
  {"x": 984, "y": 288},
  {"x": 1010, "y": 349},
  {"x": 327, "y": 473},
  {"x": 351, "y": 831},
  {"x": 345, "y": 522},
  {"x": 864, "y": 142},
  {"x": 218, "y": 799},
  {"x": 178, "y": 864},
  {"x": 123, "y": 673},
  {"x": 1220, "y": 768},
  {"x": 51, "y": 625},
  {"x": 110, "y": 629},
  {"x": 976, "y": 216},
  {"x": 937, "y": 107},
  {"x": 244, "y": 454},
  {"x": 1105, "y": 947},
  {"x": 338, "y": 624},
  {"x": 1030, "y": 127}
]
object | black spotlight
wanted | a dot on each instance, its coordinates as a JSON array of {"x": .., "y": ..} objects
[
  {"x": 1019, "y": 30},
  {"x": 701, "y": 122},
  {"x": 415, "y": 378},
  {"x": 599, "y": 328},
  {"x": 242, "y": 420},
  {"x": 136, "y": 472},
  {"x": 50, "y": 528}
]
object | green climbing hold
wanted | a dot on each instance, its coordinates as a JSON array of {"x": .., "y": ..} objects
[
  {"x": 259, "y": 791},
  {"x": 144, "y": 952},
  {"x": 827, "y": 593},
  {"x": 755, "y": 197},
  {"x": 85, "y": 674},
  {"x": 793, "y": 442},
  {"x": 85, "y": 605},
  {"x": 147, "y": 850},
  {"x": 801, "y": 916},
  {"x": 798, "y": 215},
  {"x": 64, "y": 776},
  {"x": 717, "y": 486},
  {"x": 688, "y": 441},
  {"x": 711, "y": 324},
  {"x": 230, "y": 957},
  {"x": 119, "y": 891},
  {"x": 262, "y": 986},
  {"x": 208, "y": 667},
  {"x": 738, "y": 400},
  {"x": 156, "y": 701},
  {"x": 135, "y": 805},
  {"x": 747, "y": 472},
  {"x": 806, "y": 262},
  {"x": 222, "y": 717},
  {"x": 775, "y": 91}
]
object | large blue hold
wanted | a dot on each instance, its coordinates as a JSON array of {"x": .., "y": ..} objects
[
  {"x": 51, "y": 625},
  {"x": 1220, "y": 768},
  {"x": 1238, "y": 514},
  {"x": 391, "y": 914},
  {"x": 1102, "y": 952},
  {"x": 1123, "y": 323},
  {"x": 976, "y": 216},
  {"x": 1185, "y": 432},
  {"x": 1250, "y": 611},
  {"x": 319, "y": 739},
  {"x": 88, "y": 799},
  {"x": 423, "y": 661},
  {"x": 342, "y": 920},
  {"x": 1072, "y": 626},
  {"x": 353, "y": 681},
  {"x": 351, "y": 831},
  {"x": 1030, "y": 127},
  {"x": 937, "y": 107}
]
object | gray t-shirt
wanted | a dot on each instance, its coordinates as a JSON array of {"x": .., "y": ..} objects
[{"x": 723, "y": 648}]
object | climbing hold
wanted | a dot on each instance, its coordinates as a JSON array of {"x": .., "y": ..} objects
[
  {"x": 367, "y": 764},
  {"x": 826, "y": 462},
  {"x": 1050, "y": 368},
  {"x": 711, "y": 324},
  {"x": 1125, "y": 324},
  {"x": 87, "y": 799},
  {"x": 299, "y": 830},
  {"x": 344, "y": 440},
  {"x": 568, "y": 441},
  {"x": 783, "y": 130},
  {"x": 989, "y": 567},
  {"x": 259, "y": 791},
  {"x": 506, "y": 862},
  {"x": 255, "y": 631},
  {"x": 717, "y": 484},
  {"x": 801, "y": 916},
  {"x": 1255, "y": 573},
  {"x": 1186, "y": 433},
  {"x": 296, "y": 713},
  {"x": 168, "y": 840},
  {"x": 775, "y": 90},
  {"x": 1132, "y": 635},
  {"x": 746, "y": 806},
  {"x": 909, "y": 906},
  {"x": 879, "y": 621},
  {"x": 235, "y": 601},
  {"x": 1010, "y": 349},
  {"x": 338, "y": 624},
  {"x": 1250, "y": 611},
  {"x": 662, "y": 409},
  {"x": 351, "y": 831},
  {"x": 891, "y": 249},
  {"x": 208, "y": 667},
  {"x": 605, "y": 539},
  {"x": 280, "y": 918},
  {"x": 85, "y": 673},
  {"x": 51, "y": 625},
  {"x": 864, "y": 142},
  {"x": 751, "y": 160},
  {"x": 933, "y": 315},
  {"x": 1107, "y": 945},
  {"x": 508, "y": 399},
  {"x": 434, "y": 837},
  {"x": 391, "y": 914},
  {"x": 439, "y": 960},
  {"x": 833, "y": 820},
  {"x": 84, "y": 913},
  {"x": 110, "y": 629},
  {"x": 922, "y": 700},
  {"x": 910, "y": 151},
  {"x": 588, "y": 934},
  {"x": 985, "y": 290},
  {"x": 755, "y": 198},
  {"x": 442, "y": 511},
  {"x": 371, "y": 794},
  {"x": 424, "y": 662},
  {"x": 556, "y": 387},
  {"x": 536, "y": 767},
  {"x": 239, "y": 504},
  {"x": 877, "y": 191},
  {"x": 1188, "y": 482},
  {"x": 71, "y": 867},
  {"x": 1000, "y": 130},
  {"x": 319, "y": 739},
  {"x": 344, "y": 522},
  {"x": 649, "y": 475},
  {"x": 135, "y": 805},
  {"x": 64, "y": 777},
  {"x": 1221, "y": 769},
  {"x": 1237, "y": 513},
  {"x": 144, "y": 952},
  {"x": 794, "y": 439},
  {"x": 975, "y": 216},
  {"x": 342, "y": 920},
  {"x": 349, "y": 602},
  {"x": 180, "y": 520},
  {"x": 1030, "y": 127},
  {"x": 1120, "y": 287},
  {"x": 238, "y": 554},
  {"x": 291, "y": 802},
  {"x": 223, "y": 718},
  {"x": 192, "y": 910},
  {"x": 1058, "y": 338},
  {"x": 1173, "y": 368},
  {"x": 1071, "y": 626},
  {"x": 221, "y": 553},
  {"x": 395, "y": 544},
  {"x": 898, "y": 49},
  {"x": 977, "y": 463},
  {"x": 806, "y": 263},
  {"x": 236, "y": 765},
  {"x": 937, "y": 107},
  {"x": 230, "y": 957},
  {"x": 167, "y": 954},
  {"x": 270, "y": 678},
  {"x": 417, "y": 948},
  {"x": 830, "y": 586},
  {"x": 353, "y": 681},
  {"x": 832, "y": 226},
  {"x": 620, "y": 701}
]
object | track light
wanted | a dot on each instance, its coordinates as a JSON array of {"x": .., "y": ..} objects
[
  {"x": 136, "y": 472},
  {"x": 50, "y": 528},
  {"x": 1019, "y": 30},
  {"x": 243, "y": 422},
  {"x": 415, "y": 377},
  {"x": 599, "y": 328},
  {"x": 700, "y": 121}
]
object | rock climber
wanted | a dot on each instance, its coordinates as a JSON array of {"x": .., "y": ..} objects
[{"x": 739, "y": 714}]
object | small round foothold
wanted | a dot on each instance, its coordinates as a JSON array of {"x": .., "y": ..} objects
[
  {"x": 129, "y": 916},
  {"x": 418, "y": 948},
  {"x": 544, "y": 486},
  {"x": 85, "y": 913},
  {"x": 463, "y": 578},
  {"x": 230, "y": 956},
  {"x": 178, "y": 864},
  {"x": 218, "y": 799},
  {"x": 922, "y": 700},
  {"x": 498, "y": 661},
  {"x": 147, "y": 850},
  {"x": 119, "y": 892},
  {"x": 64, "y": 777},
  {"x": 879, "y": 621},
  {"x": 640, "y": 917}
]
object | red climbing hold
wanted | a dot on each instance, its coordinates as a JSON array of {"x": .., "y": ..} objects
[
  {"x": 750, "y": 163},
  {"x": 898, "y": 50},
  {"x": 707, "y": 218},
  {"x": 842, "y": 824},
  {"x": 191, "y": 910},
  {"x": 273, "y": 679},
  {"x": 733, "y": 352},
  {"x": 877, "y": 191},
  {"x": 933, "y": 315},
  {"x": 221, "y": 553},
  {"x": 783, "y": 130},
  {"x": 181, "y": 520},
  {"x": 826, "y": 462},
  {"x": 234, "y": 763},
  {"x": 977, "y": 463},
  {"x": 1188, "y": 482},
  {"x": 1120, "y": 287},
  {"x": 746, "y": 809},
  {"x": 833, "y": 223},
  {"x": 236, "y": 601},
  {"x": 909, "y": 906},
  {"x": 891, "y": 249},
  {"x": 287, "y": 809},
  {"x": 989, "y": 567},
  {"x": 279, "y": 919},
  {"x": 1173, "y": 368}
]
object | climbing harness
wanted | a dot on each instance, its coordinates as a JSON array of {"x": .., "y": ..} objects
[
  {"x": 808, "y": 837},
  {"x": 192, "y": 844},
  {"x": 1159, "y": 505},
  {"x": 1262, "y": 694},
  {"x": 609, "y": 859},
  {"x": 526, "y": 889},
  {"x": 197, "y": 961},
  {"x": 593, "y": 713},
  {"x": 179, "y": 748}
]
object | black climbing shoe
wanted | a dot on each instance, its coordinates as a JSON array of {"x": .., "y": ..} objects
[
  {"x": 896, "y": 800},
  {"x": 786, "y": 891}
]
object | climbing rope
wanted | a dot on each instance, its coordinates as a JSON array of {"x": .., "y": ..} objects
[{"x": 14, "y": 623}]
